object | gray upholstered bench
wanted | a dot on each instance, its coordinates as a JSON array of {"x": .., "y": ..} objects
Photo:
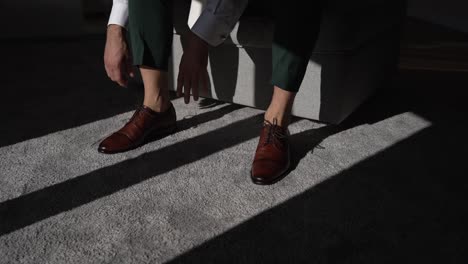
[{"x": 356, "y": 53}]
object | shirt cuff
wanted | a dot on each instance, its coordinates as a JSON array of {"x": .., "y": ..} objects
[
  {"x": 118, "y": 15},
  {"x": 210, "y": 28}
]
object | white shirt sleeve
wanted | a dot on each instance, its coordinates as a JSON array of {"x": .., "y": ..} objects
[
  {"x": 119, "y": 13},
  {"x": 217, "y": 20}
]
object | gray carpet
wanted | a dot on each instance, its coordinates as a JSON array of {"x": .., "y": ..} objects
[{"x": 386, "y": 186}]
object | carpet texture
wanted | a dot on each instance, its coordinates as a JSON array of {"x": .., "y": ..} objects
[{"x": 386, "y": 186}]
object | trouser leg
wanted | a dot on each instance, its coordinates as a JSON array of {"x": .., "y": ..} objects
[
  {"x": 151, "y": 30},
  {"x": 296, "y": 30}
]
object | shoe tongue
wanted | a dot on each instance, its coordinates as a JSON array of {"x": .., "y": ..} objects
[
  {"x": 277, "y": 128},
  {"x": 268, "y": 123},
  {"x": 274, "y": 124}
]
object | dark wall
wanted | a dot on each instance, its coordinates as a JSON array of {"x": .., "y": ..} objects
[
  {"x": 451, "y": 13},
  {"x": 32, "y": 18}
]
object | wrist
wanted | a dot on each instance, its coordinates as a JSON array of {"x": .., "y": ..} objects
[
  {"x": 114, "y": 29},
  {"x": 197, "y": 42}
]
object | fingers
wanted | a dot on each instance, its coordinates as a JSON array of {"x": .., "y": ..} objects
[
  {"x": 204, "y": 81},
  {"x": 120, "y": 79},
  {"x": 195, "y": 85},
  {"x": 118, "y": 73},
  {"x": 180, "y": 81},
  {"x": 192, "y": 75},
  {"x": 120, "y": 76},
  {"x": 129, "y": 65},
  {"x": 108, "y": 71},
  {"x": 117, "y": 76},
  {"x": 187, "y": 86}
]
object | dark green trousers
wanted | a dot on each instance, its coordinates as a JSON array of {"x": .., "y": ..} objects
[
  {"x": 151, "y": 32},
  {"x": 296, "y": 31}
]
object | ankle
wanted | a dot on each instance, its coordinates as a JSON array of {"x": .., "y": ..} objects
[
  {"x": 282, "y": 119},
  {"x": 159, "y": 104}
]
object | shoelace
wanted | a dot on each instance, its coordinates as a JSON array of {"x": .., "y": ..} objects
[{"x": 274, "y": 131}]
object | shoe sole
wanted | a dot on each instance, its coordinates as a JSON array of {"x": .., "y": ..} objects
[
  {"x": 261, "y": 182},
  {"x": 161, "y": 133},
  {"x": 275, "y": 180}
]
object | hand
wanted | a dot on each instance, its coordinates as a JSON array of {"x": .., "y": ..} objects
[
  {"x": 117, "y": 60},
  {"x": 192, "y": 68}
]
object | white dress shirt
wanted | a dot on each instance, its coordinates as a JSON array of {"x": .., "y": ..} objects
[{"x": 214, "y": 24}]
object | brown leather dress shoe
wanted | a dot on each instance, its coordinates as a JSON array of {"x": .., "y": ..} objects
[
  {"x": 272, "y": 157},
  {"x": 144, "y": 124}
]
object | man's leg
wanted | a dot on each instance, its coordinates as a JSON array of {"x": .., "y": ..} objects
[
  {"x": 296, "y": 31},
  {"x": 156, "y": 88},
  {"x": 150, "y": 28}
]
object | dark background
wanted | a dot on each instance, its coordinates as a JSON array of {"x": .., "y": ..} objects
[{"x": 32, "y": 18}]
